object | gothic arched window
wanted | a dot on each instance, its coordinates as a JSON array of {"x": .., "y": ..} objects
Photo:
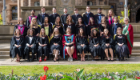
[
  {"x": 89, "y": 3},
  {"x": 14, "y": 13},
  {"x": 37, "y": 3}
]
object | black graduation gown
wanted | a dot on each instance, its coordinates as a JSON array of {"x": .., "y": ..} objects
[
  {"x": 32, "y": 49},
  {"x": 50, "y": 29},
  {"x": 14, "y": 50},
  {"x": 53, "y": 17},
  {"x": 78, "y": 27},
  {"x": 58, "y": 40},
  {"x": 121, "y": 51},
  {"x": 90, "y": 27},
  {"x": 81, "y": 40},
  {"x": 114, "y": 30},
  {"x": 41, "y": 17},
  {"x": 105, "y": 41},
  {"x": 95, "y": 51},
  {"x": 24, "y": 31},
  {"x": 60, "y": 28},
  {"x": 75, "y": 18},
  {"x": 64, "y": 18},
  {"x": 43, "y": 50},
  {"x": 72, "y": 26},
  {"x": 97, "y": 17},
  {"x": 29, "y": 19},
  {"x": 36, "y": 30},
  {"x": 86, "y": 18}
]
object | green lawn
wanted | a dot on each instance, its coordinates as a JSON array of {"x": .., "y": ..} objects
[{"x": 93, "y": 68}]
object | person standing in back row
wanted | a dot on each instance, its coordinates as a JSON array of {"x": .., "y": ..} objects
[
  {"x": 53, "y": 16},
  {"x": 99, "y": 16},
  {"x": 87, "y": 15},
  {"x": 40, "y": 17},
  {"x": 76, "y": 16},
  {"x": 64, "y": 16}
]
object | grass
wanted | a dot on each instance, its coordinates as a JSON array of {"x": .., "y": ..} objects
[{"x": 93, "y": 68}]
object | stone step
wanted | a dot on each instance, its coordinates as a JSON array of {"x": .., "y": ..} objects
[{"x": 4, "y": 56}]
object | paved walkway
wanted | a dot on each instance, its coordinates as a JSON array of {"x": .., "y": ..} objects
[{"x": 132, "y": 60}]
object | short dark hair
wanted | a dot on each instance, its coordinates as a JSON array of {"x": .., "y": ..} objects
[
  {"x": 33, "y": 10},
  {"x": 75, "y": 9},
  {"x": 99, "y": 8},
  {"x": 42, "y": 7}
]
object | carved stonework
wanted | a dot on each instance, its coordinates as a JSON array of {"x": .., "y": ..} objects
[{"x": 61, "y": 4}]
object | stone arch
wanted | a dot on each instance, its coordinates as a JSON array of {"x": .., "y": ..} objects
[{"x": 134, "y": 13}]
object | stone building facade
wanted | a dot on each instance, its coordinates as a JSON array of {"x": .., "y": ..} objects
[{"x": 14, "y": 11}]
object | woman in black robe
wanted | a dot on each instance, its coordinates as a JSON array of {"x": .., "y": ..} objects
[
  {"x": 47, "y": 27},
  {"x": 58, "y": 25},
  {"x": 35, "y": 26},
  {"x": 69, "y": 23},
  {"x": 107, "y": 45},
  {"x": 80, "y": 25},
  {"x": 94, "y": 43},
  {"x": 17, "y": 45},
  {"x": 91, "y": 25},
  {"x": 43, "y": 43},
  {"x": 121, "y": 48},
  {"x": 103, "y": 25},
  {"x": 56, "y": 43},
  {"x": 82, "y": 44},
  {"x": 30, "y": 41},
  {"x": 23, "y": 29}
]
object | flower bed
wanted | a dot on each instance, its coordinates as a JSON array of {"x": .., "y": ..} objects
[{"x": 76, "y": 75}]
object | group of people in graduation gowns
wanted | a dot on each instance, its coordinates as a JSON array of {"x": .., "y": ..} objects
[{"x": 67, "y": 35}]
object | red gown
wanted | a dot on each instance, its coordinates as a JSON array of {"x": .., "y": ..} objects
[{"x": 64, "y": 50}]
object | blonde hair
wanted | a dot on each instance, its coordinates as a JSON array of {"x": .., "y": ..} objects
[
  {"x": 16, "y": 33},
  {"x": 31, "y": 25},
  {"x": 103, "y": 19},
  {"x": 28, "y": 32},
  {"x": 67, "y": 21},
  {"x": 119, "y": 28},
  {"x": 127, "y": 19},
  {"x": 41, "y": 32},
  {"x": 112, "y": 13},
  {"x": 54, "y": 32},
  {"x": 69, "y": 29}
]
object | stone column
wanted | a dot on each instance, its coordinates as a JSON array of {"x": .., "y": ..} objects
[
  {"x": 97, "y": 2},
  {"x": 41, "y": 2},
  {"x": 29, "y": 3},
  {"x": 22, "y": 3},
  {"x": 18, "y": 10}
]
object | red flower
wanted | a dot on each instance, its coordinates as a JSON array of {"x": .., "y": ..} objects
[
  {"x": 46, "y": 68},
  {"x": 137, "y": 77},
  {"x": 43, "y": 77}
]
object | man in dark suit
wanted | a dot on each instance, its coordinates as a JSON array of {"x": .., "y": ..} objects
[
  {"x": 64, "y": 16},
  {"x": 53, "y": 16},
  {"x": 76, "y": 16},
  {"x": 41, "y": 16},
  {"x": 87, "y": 15},
  {"x": 99, "y": 16}
]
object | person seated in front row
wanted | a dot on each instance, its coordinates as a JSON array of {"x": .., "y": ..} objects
[
  {"x": 82, "y": 44},
  {"x": 69, "y": 23},
  {"x": 56, "y": 44},
  {"x": 43, "y": 42},
  {"x": 94, "y": 43},
  {"x": 69, "y": 45},
  {"x": 121, "y": 47},
  {"x": 107, "y": 41},
  {"x": 30, "y": 41},
  {"x": 47, "y": 27},
  {"x": 17, "y": 44},
  {"x": 35, "y": 27}
]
